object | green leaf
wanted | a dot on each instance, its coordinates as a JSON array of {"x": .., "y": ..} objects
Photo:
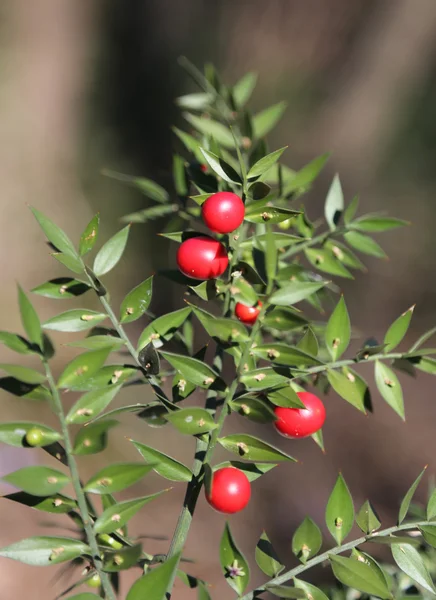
[
  {"x": 285, "y": 396},
  {"x": 324, "y": 260},
  {"x": 243, "y": 89},
  {"x": 221, "y": 168},
  {"x": 296, "y": 292},
  {"x": 270, "y": 251},
  {"x": 25, "y": 374},
  {"x": 179, "y": 176},
  {"x": 310, "y": 590},
  {"x": 61, "y": 288},
  {"x": 38, "y": 480},
  {"x": 389, "y": 387},
  {"x": 267, "y": 119},
  {"x": 29, "y": 319},
  {"x": 262, "y": 379},
  {"x": 309, "y": 342},
  {"x": 227, "y": 330},
  {"x": 212, "y": 128},
  {"x": 359, "y": 575},
  {"x": 285, "y": 591},
  {"x": 148, "y": 187},
  {"x": 265, "y": 163},
  {"x": 116, "y": 477},
  {"x": 268, "y": 214},
  {"x": 283, "y": 354},
  {"x": 149, "y": 214},
  {"x": 199, "y": 101},
  {"x": 191, "y": 420},
  {"x": 122, "y": 559},
  {"x": 190, "y": 142},
  {"x": 111, "y": 252},
  {"x": 84, "y": 596},
  {"x": 284, "y": 319},
  {"x": 254, "y": 409},
  {"x": 405, "y": 503},
  {"x": 344, "y": 255},
  {"x": 153, "y": 585},
  {"x": 107, "y": 376},
  {"x": 137, "y": 301},
  {"x": 339, "y": 513},
  {"x": 193, "y": 370},
  {"x": 56, "y": 504},
  {"x": 305, "y": 176},
  {"x": 378, "y": 223},
  {"x": 266, "y": 557},
  {"x": 77, "y": 319},
  {"x": 281, "y": 240},
  {"x": 118, "y": 515},
  {"x": 429, "y": 533},
  {"x": 334, "y": 204},
  {"x": 164, "y": 327},
  {"x": 89, "y": 236},
  {"x": 91, "y": 404},
  {"x": 15, "y": 342},
  {"x": 70, "y": 262},
  {"x": 251, "y": 448},
  {"x": 163, "y": 464},
  {"x": 95, "y": 342},
  {"x": 251, "y": 470},
  {"x": 398, "y": 330},
  {"x": 431, "y": 506},
  {"x": 338, "y": 330},
  {"x": 367, "y": 519},
  {"x": 54, "y": 234},
  {"x": 92, "y": 438},
  {"x": 364, "y": 244},
  {"x": 14, "y": 433},
  {"x": 233, "y": 564},
  {"x": 82, "y": 368},
  {"x": 351, "y": 209},
  {"x": 42, "y": 551},
  {"x": 410, "y": 562},
  {"x": 307, "y": 540}
]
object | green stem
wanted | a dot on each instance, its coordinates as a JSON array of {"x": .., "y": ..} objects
[
  {"x": 288, "y": 575},
  {"x": 80, "y": 494},
  {"x": 318, "y": 239}
]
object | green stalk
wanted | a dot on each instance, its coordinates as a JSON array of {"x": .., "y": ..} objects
[
  {"x": 288, "y": 575},
  {"x": 80, "y": 494}
]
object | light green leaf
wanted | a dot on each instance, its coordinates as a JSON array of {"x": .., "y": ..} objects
[
  {"x": 366, "y": 518},
  {"x": 212, "y": 128},
  {"x": 91, "y": 404},
  {"x": 54, "y": 234},
  {"x": 295, "y": 292},
  {"x": 243, "y": 89},
  {"x": 405, "y": 503},
  {"x": 42, "y": 551},
  {"x": 410, "y": 562},
  {"x": 268, "y": 214},
  {"x": 118, "y": 515},
  {"x": 398, "y": 330},
  {"x": 282, "y": 354},
  {"x": 309, "y": 343},
  {"x": 251, "y": 470},
  {"x": 359, "y": 575},
  {"x": 190, "y": 142},
  {"x": 116, "y": 477},
  {"x": 305, "y": 176},
  {"x": 429, "y": 534},
  {"x": 82, "y": 368},
  {"x": 389, "y": 387},
  {"x": 137, "y": 301},
  {"x": 265, "y": 163},
  {"x": 262, "y": 379},
  {"x": 38, "y": 480},
  {"x": 92, "y": 438},
  {"x": 89, "y": 236},
  {"x": 310, "y": 590},
  {"x": 431, "y": 506},
  {"x": 23, "y": 373},
  {"x": 163, "y": 464},
  {"x": 191, "y": 420},
  {"x": 233, "y": 564},
  {"x": 351, "y": 209},
  {"x": 70, "y": 262},
  {"x": 339, "y": 514},
  {"x": 307, "y": 540},
  {"x": 338, "y": 330},
  {"x": 199, "y": 101},
  {"x": 324, "y": 260},
  {"x": 61, "y": 288},
  {"x": 267, "y": 119},
  {"x": 163, "y": 328},
  {"x": 29, "y": 319},
  {"x": 334, "y": 204},
  {"x": 77, "y": 319},
  {"x": 111, "y": 252},
  {"x": 285, "y": 591},
  {"x": 266, "y": 557},
  {"x": 255, "y": 409},
  {"x": 15, "y": 342},
  {"x": 153, "y": 585},
  {"x": 365, "y": 244},
  {"x": 227, "y": 330},
  {"x": 193, "y": 370},
  {"x": 378, "y": 223},
  {"x": 251, "y": 448}
]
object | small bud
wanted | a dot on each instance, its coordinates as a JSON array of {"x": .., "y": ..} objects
[
  {"x": 181, "y": 384},
  {"x": 351, "y": 377},
  {"x": 245, "y": 409},
  {"x": 129, "y": 311},
  {"x": 104, "y": 482},
  {"x": 272, "y": 353}
]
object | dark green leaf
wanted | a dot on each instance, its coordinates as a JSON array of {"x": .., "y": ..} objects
[
  {"x": 285, "y": 396},
  {"x": 29, "y": 319},
  {"x": 77, "y": 319},
  {"x": 398, "y": 330},
  {"x": 270, "y": 251},
  {"x": 92, "y": 438},
  {"x": 431, "y": 506},
  {"x": 137, "y": 301},
  {"x": 265, "y": 163},
  {"x": 324, "y": 260},
  {"x": 164, "y": 327},
  {"x": 193, "y": 370},
  {"x": 153, "y": 585},
  {"x": 405, "y": 503},
  {"x": 351, "y": 209},
  {"x": 364, "y": 244},
  {"x": 309, "y": 343},
  {"x": 38, "y": 480},
  {"x": 61, "y": 288},
  {"x": 44, "y": 551},
  {"x": 281, "y": 240},
  {"x": 376, "y": 223},
  {"x": 359, "y": 575},
  {"x": 310, "y": 590},
  {"x": 338, "y": 330},
  {"x": 25, "y": 374},
  {"x": 221, "y": 168},
  {"x": 268, "y": 214},
  {"x": 54, "y": 234},
  {"x": 266, "y": 557},
  {"x": 118, "y": 515},
  {"x": 284, "y": 319},
  {"x": 334, "y": 204},
  {"x": 367, "y": 519},
  {"x": 122, "y": 559},
  {"x": 261, "y": 379},
  {"x": 163, "y": 464},
  {"x": 91, "y": 404},
  {"x": 344, "y": 255},
  {"x": 108, "y": 376},
  {"x": 15, "y": 342},
  {"x": 251, "y": 448},
  {"x": 254, "y": 409},
  {"x": 266, "y": 120},
  {"x": 179, "y": 175},
  {"x": 70, "y": 262},
  {"x": 283, "y": 354},
  {"x": 389, "y": 387},
  {"x": 191, "y": 420},
  {"x": 411, "y": 563},
  {"x": 429, "y": 533},
  {"x": 111, "y": 252},
  {"x": 307, "y": 540},
  {"x": 233, "y": 564},
  {"x": 117, "y": 477},
  {"x": 81, "y": 368},
  {"x": 296, "y": 292},
  {"x": 251, "y": 470},
  {"x": 227, "y": 330},
  {"x": 339, "y": 514},
  {"x": 89, "y": 236},
  {"x": 285, "y": 591}
]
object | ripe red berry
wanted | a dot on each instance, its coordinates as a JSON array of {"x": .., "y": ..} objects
[
  {"x": 223, "y": 212},
  {"x": 203, "y": 168},
  {"x": 301, "y": 422},
  {"x": 202, "y": 257},
  {"x": 247, "y": 314},
  {"x": 230, "y": 490}
]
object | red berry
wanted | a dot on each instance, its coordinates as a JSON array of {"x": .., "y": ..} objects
[
  {"x": 223, "y": 212},
  {"x": 301, "y": 422},
  {"x": 230, "y": 490},
  {"x": 203, "y": 168},
  {"x": 202, "y": 257},
  {"x": 247, "y": 314}
]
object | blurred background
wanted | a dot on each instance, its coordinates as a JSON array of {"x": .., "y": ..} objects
[{"x": 91, "y": 85}]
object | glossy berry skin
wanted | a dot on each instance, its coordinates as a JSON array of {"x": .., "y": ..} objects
[
  {"x": 247, "y": 314},
  {"x": 230, "y": 490},
  {"x": 223, "y": 212},
  {"x": 34, "y": 437},
  {"x": 94, "y": 581},
  {"x": 202, "y": 257},
  {"x": 301, "y": 422}
]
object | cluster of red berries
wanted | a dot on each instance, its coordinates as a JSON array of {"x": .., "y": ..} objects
[{"x": 230, "y": 488}]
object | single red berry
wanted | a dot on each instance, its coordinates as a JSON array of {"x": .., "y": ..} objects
[
  {"x": 203, "y": 168},
  {"x": 223, "y": 212},
  {"x": 247, "y": 314},
  {"x": 301, "y": 422},
  {"x": 202, "y": 257},
  {"x": 230, "y": 490}
]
